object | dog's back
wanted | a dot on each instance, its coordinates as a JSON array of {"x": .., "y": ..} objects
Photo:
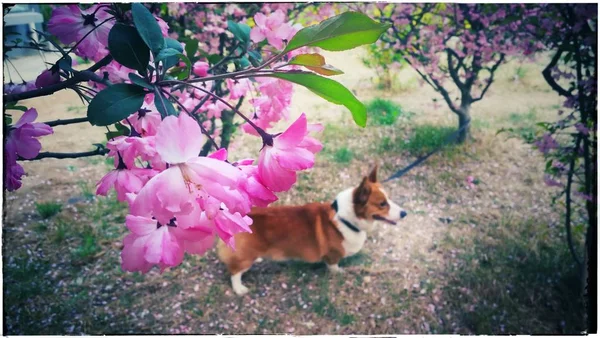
[{"x": 284, "y": 232}]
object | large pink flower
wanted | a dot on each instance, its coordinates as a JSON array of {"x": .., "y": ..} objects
[
  {"x": 21, "y": 138},
  {"x": 273, "y": 28},
  {"x": 22, "y": 141},
  {"x": 173, "y": 191},
  {"x": 70, "y": 24},
  {"x": 290, "y": 152}
]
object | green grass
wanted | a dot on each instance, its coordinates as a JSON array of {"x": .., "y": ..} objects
[
  {"x": 516, "y": 276},
  {"x": 425, "y": 138},
  {"x": 523, "y": 125},
  {"x": 48, "y": 209},
  {"x": 382, "y": 112},
  {"x": 87, "y": 248},
  {"x": 343, "y": 155}
]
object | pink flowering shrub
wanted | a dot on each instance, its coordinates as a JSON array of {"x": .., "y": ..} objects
[{"x": 170, "y": 105}]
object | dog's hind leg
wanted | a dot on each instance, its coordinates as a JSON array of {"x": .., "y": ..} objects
[{"x": 236, "y": 283}]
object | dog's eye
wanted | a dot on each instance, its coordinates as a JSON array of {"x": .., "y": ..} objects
[{"x": 383, "y": 204}]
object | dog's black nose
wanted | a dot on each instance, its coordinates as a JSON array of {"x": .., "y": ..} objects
[{"x": 403, "y": 214}]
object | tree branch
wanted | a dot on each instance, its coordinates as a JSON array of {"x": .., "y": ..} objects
[
  {"x": 492, "y": 71},
  {"x": 85, "y": 75},
  {"x": 548, "y": 76},
  {"x": 98, "y": 151},
  {"x": 454, "y": 71},
  {"x": 568, "y": 203},
  {"x": 65, "y": 122},
  {"x": 438, "y": 87}
]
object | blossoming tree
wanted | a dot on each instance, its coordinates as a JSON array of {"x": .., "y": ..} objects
[
  {"x": 455, "y": 48},
  {"x": 570, "y": 144},
  {"x": 160, "y": 97}
]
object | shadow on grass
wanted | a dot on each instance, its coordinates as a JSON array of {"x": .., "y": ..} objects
[{"x": 516, "y": 278}]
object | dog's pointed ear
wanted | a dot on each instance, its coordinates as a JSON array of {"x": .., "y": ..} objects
[
  {"x": 361, "y": 194},
  {"x": 373, "y": 174}
]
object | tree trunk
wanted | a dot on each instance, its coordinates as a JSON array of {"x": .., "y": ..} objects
[
  {"x": 464, "y": 118},
  {"x": 227, "y": 130}
]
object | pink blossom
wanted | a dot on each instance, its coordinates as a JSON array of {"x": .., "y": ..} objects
[
  {"x": 12, "y": 175},
  {"x": 124, "y": 181},
  {"x": 214, "y": 109},
  {"x": 551, "y": 182},
  {"x": 279, "y": 161},
  {"x": 153, "y": 243},
  {"x": 257, "y": 192},
  {"x": 582, "y": 129},
  {"x": 238, "y": 88},
  {"x": 70, "y": 24},
  {"x": 22, "y": 137},
  {"x": 171, "y": 192},
  {"x": 546, "y": 143},
  {"x": 47, "y": 78},
  {"x": 200, "y": 68},
  {"x": 130, "y": 147},
  {"x": 272, "y": 28},
  {"x": 22, "y": 141},
  {"x": 146, "y": 120},
  {"x": 164, "y": 27},
  {"x": 470, "y": 182}
]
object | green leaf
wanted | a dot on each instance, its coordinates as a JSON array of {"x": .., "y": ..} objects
[
  {"x": 240, "y": 31},
  {"x": 140, "y": 81},
  {"x": 164, "y": 106},
  {"x": 244, "y": 63},
  {"x": 148, "y": 27},
  {"x": 255, "y": 58},
  {"x": 13, "y": 106},
  {"x": 330, "y": 90},
  {"x": 173, "y": 60},
  {"x": 127, "y": 48},
  {"x": 121, "y": 131},
  {"x": 115, "y": 103},
  {"x": 341, "y": 32},
  {"x": 166, "y": 53},
  {"x": 214, "y": 58},
  {"x": 7, "y": 120},
  {"x": 191, "y": 47},
  {"x": 316, "y": 63}
]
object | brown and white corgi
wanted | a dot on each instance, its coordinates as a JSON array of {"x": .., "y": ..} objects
[{"x": 313, "y": 232}]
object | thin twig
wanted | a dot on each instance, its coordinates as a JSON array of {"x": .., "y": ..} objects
[
  {"x": 82, "y": 76},
  {"x": 99, "y": 151},
  {"x": 65, "y": 122}
]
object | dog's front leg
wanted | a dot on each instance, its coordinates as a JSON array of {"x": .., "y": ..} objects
[{"x": 332, "y": 259}]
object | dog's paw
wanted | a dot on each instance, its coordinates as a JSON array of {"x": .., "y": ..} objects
[
  {"x": 335, "y": 268},
  {"x": 240, "y": 290}
]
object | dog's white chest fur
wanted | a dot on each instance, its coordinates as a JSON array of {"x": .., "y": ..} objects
[{"x": 353, "y": 241}]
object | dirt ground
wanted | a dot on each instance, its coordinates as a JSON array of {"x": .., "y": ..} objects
[{"x": 407, "y": 280}]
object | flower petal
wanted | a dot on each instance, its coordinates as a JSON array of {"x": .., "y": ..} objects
[{"x": 178, "y": 139}]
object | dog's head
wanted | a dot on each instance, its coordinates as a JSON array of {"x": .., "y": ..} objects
[{"x": 371, "y": 202}]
